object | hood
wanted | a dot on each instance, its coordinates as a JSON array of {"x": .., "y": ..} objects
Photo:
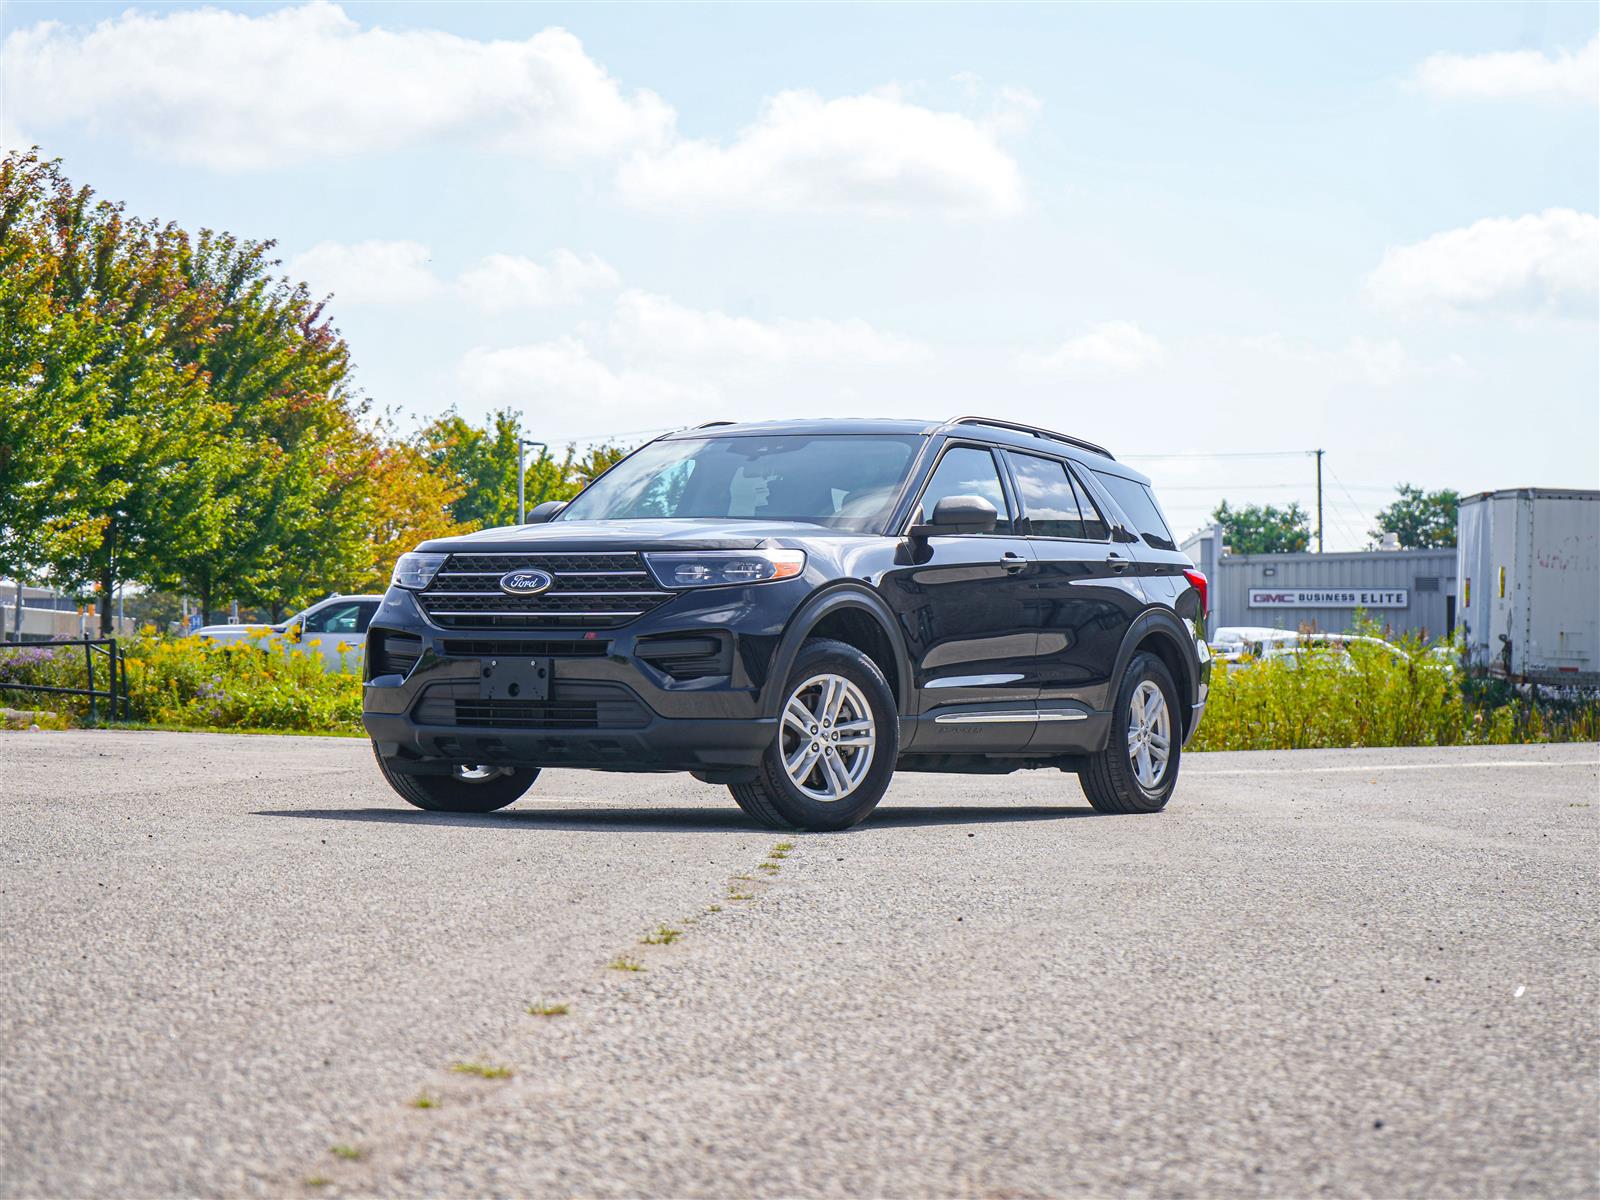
[{"x": 705, "y": 534}]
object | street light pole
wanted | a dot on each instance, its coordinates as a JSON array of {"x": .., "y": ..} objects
[{"x": 522, "y": 475}]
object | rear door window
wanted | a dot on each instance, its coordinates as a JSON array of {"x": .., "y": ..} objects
[
  {"x": 1047, "y": 497},
  {"x": 1139, "y": 506}
]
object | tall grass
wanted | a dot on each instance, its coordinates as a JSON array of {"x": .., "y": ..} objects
[{"x": 1366, "y": 696}]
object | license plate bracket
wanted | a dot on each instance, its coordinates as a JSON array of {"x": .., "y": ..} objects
[{"x": 512, "y": 678}]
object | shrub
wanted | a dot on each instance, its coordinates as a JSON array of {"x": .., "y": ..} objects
[
  {"x": 1366, "y": 695},
  {"x": 190, "y": 682}
]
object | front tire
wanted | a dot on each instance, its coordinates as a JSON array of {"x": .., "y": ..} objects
[
  {"x": 468, "y": 789},
  {"x": 835, "y": 749},
  {"x": 1138, "y": 769}
]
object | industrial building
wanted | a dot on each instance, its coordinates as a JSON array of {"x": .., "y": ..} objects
[{"x": 1409, "y": 591}]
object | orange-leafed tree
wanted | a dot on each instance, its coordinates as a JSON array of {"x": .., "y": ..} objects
[{"x": 410, "y": 503}]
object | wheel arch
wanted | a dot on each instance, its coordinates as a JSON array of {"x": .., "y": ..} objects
[
  {"x": 1160, "y": 632},
  {"x": 852, "y": 615}
]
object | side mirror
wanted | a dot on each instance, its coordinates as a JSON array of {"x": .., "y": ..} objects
[
  {"x": 541, "y": 513},
  {"x": 959, "y": 514}
]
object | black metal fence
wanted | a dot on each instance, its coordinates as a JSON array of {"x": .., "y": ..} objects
[{"x": 115, "y": 693}]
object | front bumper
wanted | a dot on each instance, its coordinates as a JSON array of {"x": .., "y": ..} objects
[{"x": 608, "y": 707}]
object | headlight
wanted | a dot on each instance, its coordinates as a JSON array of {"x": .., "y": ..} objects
[
  {"x": 723, "y": 568},
  {"x": 416, "y": 571}
]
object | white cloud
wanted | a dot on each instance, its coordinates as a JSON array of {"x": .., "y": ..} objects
[
  {"x": 1109, "y": 348},
  {"x": 660, "y": 328},
  {"x": 1543, "y": 262},
  {"x": 1369, "y": 362},
  {"x": 504, "y": 281},
  {"x": 380, "y": 272},
  {"x": 659, "y": 364},
  {"x": 565, "y": 374},
  {"x": 1514, "y": 74},
  {"x": 873, "y": 153},
  {"x": 370, "y": 272},
  {"x": 237, "y": 91}
]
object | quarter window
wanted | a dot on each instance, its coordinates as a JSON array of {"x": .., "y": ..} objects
[
  {"x": 1139, "y": 506},
  {"x": 968, "y": 471}
]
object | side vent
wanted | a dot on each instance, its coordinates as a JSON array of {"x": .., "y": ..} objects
[
  {"x": 686, "y": 658},
  {"x": 392, "y": 653}
]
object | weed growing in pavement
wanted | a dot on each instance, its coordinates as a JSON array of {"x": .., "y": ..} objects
[
  {"x": 715, "y": 908},
  {"x": 423, "y": 1100},
  {"x": 481, "y": 1070},
  {"x": 542, "y": 1009},
  {"x": 663, "y": 936},
  {"x": 347, "y": 1152},
  {"x": 318, "y": 1181},
  {"x": 624, "y": 963},
  {"x": 770, "y": 868},
  {"x": 781, "y": 849},
  {"x": 732, "y": 895}
]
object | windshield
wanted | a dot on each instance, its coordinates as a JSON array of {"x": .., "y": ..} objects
[{"x": 843, "y": 481}]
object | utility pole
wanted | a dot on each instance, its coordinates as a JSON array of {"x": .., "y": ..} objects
[
  {"x": 522, "y": 475},
  {"x": 1319, "y": 454}
]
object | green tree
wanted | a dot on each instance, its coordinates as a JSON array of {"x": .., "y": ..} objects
[
  {"x": 144, "y": 447},
  {"x": 482, "y": 461},
  {"x": 298, "y": 493},
  {"x": 1263, "y": 528},
  {"x": 1424, "y": 520}
]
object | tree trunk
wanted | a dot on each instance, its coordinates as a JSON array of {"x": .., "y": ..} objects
[
  {"x": 205, "y": 602},
  {"x": 277, "y": 611}
]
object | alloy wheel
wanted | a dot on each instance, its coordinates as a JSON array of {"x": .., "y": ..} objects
[
  {"x": 828, "y": 737},
  {"x": 1149, "y": 734}
]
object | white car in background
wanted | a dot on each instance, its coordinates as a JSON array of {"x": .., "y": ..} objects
[
  {"x": 334, "y": 630},
  {"x": 1244, "y": 645}
]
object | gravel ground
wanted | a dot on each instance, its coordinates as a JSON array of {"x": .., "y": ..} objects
[{"x": 1349, "y": 973}]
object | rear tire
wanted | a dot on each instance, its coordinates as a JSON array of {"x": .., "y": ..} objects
[
  {"x": 815, "y": 776},
  {"x": 465, "y": 791},
  {"x": 1112, "y": 779}
]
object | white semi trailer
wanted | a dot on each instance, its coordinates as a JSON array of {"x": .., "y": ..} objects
[{"x": 1529, "y": 576}]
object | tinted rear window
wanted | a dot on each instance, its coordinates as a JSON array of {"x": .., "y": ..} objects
[{"x": 1139, "y": 506}]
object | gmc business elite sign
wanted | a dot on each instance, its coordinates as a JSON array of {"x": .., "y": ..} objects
[{"x": 1328, "y": 598}]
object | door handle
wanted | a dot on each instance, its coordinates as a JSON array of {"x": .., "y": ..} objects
[
  {"x": 1117, "y": 563},
  {"x": 1013, "y": 562}
]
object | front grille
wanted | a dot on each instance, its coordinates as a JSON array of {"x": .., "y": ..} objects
[
  {"x": 393, "y": 653},
  {"x": 480, "y": 648},
  {"x": 591, "y": 591},
  {"x": 573, "y": 706}
]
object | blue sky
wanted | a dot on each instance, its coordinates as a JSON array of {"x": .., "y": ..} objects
[{"x": 1176, "y": 229}]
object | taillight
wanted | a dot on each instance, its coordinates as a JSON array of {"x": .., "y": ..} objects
[{"x": 1198, "y": 582}]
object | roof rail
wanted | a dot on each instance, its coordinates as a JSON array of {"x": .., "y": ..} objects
[
  {"x": 709, "y": 424},
  {"x": 1034, "y": 430}
]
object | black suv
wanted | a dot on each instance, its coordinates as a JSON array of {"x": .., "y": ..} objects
[{"x": 798, "y": 609}]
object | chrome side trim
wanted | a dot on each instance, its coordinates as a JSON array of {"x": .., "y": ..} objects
[
  {"x": 542, "y": 613},
  {"x": 996, "y": 718},
  {"x": 950, "y": 681}
]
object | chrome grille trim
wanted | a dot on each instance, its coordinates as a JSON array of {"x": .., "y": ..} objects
[{"x": 601, "y": 589}]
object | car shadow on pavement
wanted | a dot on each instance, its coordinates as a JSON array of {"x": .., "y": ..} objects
[{"x": 694, "y": 820}]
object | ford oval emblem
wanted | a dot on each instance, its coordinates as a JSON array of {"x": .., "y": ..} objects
[{"x": 525, "y": 583}]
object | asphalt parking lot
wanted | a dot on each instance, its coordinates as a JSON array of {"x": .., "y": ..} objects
[{"x": 1343, "y": 973}]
